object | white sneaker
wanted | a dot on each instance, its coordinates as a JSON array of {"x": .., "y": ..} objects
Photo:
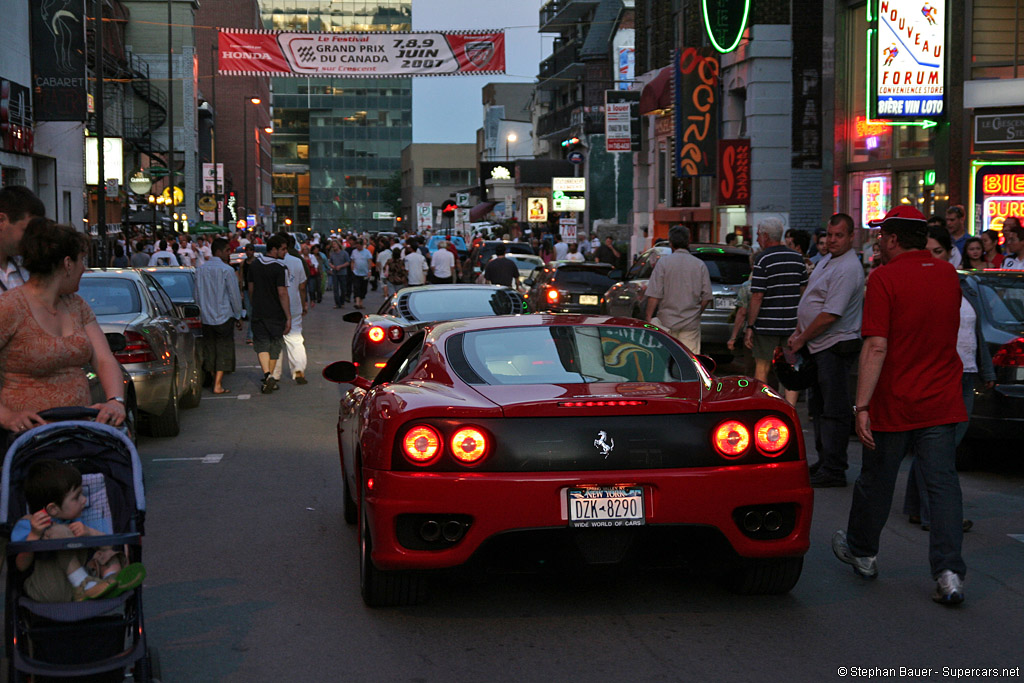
[
  {"x": 949, "y": 588},
  {"x": 866, "y": 567}
]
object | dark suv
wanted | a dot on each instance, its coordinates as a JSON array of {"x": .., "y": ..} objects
[
  {"x": 568, "y": 287},
  {"x": 728, "y": 267}
]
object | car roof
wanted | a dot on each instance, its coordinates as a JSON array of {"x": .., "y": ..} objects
[
  {"x": 438, "y": 288},
  {"x": 159, "y": 269},
  {"x": 583, "y": 265},
  {"x": 704, "y": 248},
  {"x": 121, "y": 273},
  {"x": 532, "y": 320}
]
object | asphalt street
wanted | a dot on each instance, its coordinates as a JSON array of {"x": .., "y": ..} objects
[{"x": 253, "y": 576}]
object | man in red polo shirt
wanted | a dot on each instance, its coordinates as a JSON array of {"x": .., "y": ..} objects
[{"x": 908, "y": 400}]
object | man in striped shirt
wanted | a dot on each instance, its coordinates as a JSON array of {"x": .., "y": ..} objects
[{"x": 776, "y": 283}]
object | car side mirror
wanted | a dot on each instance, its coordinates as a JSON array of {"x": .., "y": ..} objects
[
  {"x": 528, "y": 282},
  {"x": 116, "y": 341},
  {"x": 353, "y": 317},
  {"x": 345, "y": 372},
  {"x": 190, "y": 311},
  {"x": 707, "y": 362}
]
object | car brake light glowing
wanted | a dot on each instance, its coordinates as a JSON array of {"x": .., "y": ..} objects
[
  {"x": 553, "y": 295},
  {"x": 395, "y": 334},
  {"x": 1010, "y": 354},
  {"x": 379, "y": 365},
  {"x": 136, "y": 349},
  {"x": 602, "y": 404},
  {"x": 469, "y": 445},
  {"x": 422, "y": 445},
  {"x": 731, "y": 439},
  {"x": 376, "y": 334},
  {"x": 771, "y": 436},
  {"x": 194, "y": 323}
]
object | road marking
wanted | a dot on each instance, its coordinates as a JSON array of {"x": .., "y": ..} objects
[
  {"x": 1017, "y": 537},
  {"x": 239, "y": 397},
  {"x": 211, "y": 459}
]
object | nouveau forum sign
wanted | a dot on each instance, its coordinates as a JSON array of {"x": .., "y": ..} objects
[
  {"x": 910, "y": 59},
  {"x": 359, "y": 55}
]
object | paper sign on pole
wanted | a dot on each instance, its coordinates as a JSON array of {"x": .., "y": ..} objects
[
  {"x": 423, "y": 216},
  {"x": 567, "y": 229},
  {"x": 617, "y": 127}
]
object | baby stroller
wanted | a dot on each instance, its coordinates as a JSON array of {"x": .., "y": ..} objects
[{"x": 100, "y": 639}]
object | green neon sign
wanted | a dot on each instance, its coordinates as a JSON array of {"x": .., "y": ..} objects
[
  {"x": 724, "y": 22},
  {"x": 929, "y": 177}
]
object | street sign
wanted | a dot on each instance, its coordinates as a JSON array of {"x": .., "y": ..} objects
[
  {"x": 111, "y": 187},
  {"x": 462, "y": 198},
  {"x": 423, "y": 216},
  {"x": 383, "y": 215},
  {"x": 575, "y": 157},
  {"x": 569, "y": 204},
  {"x": 250, "y": 220},
  {"x": 567, "y": 229},
  {"x": 569, "y": 184}
]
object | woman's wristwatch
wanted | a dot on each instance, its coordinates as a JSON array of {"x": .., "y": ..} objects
[
  {"x": 119, "y": 399},
  {"x": 860, "y": 409}
]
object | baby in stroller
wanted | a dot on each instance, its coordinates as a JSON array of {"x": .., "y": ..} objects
[{"x": 54, "y": 490}]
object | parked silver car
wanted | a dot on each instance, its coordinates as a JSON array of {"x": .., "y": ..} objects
[
  {"x": 160, "y": 352},
  {"x": 729, "y": 267}
]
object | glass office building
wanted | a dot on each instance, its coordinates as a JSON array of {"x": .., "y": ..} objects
[{"x": 337, "y": 142}]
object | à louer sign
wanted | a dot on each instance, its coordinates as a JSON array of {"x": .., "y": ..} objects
[
  {"x": 910, "y": 59},
  {"x": 361, "y": 55}
]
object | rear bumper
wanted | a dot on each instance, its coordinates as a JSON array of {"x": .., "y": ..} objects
[
  {"x": 152, "y": 384},
  {"x": 998, "y": 414},
  {"x": 498, "y": 503}
]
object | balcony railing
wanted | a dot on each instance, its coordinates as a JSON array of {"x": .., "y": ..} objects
[
  {"x": 558, "y": 15},
  {"x": 563, "y": 56},
  {"x": 573, "y": 118}
]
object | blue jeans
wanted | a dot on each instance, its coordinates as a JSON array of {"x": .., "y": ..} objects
[
  {"x": 913, "y": 502},
  {"x": 873, "y": 492},
  {"x": 828, "y": 403},
  {"x": 339, "y": 287}
]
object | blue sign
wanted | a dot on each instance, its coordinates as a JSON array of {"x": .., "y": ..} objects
[
  {"x": 575, "y": 157},
  {"x": 250, "y": 220}
]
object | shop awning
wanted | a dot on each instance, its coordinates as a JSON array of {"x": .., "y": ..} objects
[
  {"x": 478, "y": 212},
  {"x": 657, "y": 94}
]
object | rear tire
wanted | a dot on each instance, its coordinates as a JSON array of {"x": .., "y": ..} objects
[
  {"x": 167, "y": 423},
  {"x": 774, "y": 576},
  {"x": 386, "y": 589}
]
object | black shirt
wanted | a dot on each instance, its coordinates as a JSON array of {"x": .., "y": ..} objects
[
  {"x": 266, "y": 278},
  {"x": 606, "y": 255},
  {"x": 501, "y": 271}
]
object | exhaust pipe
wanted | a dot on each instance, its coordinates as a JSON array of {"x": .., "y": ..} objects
[
  {"x": 430, "y": 531},
  {"x": 752, "y": 521},
  {"x": 452, "y": 531},
  {"x": 772, "y": 520}
]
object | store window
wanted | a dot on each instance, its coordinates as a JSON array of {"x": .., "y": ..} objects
[{"x": 916, "y": 189}]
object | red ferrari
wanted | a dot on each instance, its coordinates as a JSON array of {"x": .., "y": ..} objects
[{"x": 544, "y": 440}]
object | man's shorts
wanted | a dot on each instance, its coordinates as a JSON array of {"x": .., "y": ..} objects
[
  {"x": 765, "y": 344},
  {"x": 218, "y": 344},
  {"x": 268, "y": 337}
]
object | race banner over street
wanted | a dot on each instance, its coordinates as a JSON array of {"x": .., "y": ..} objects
[{"x": 361, "y": 55}]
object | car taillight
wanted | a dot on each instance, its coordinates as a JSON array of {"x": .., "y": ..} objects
[
  {"x": 194, "y": 323},
  {"x": 553, "y": 296},
  {"x": 771, "y": 436},
  {"x": 731, "y": 439},
  {"x": 1010, "y": 354},
  {"x": 469, "y": 445},
  {"x": 136, "y": 349},
  {"x": 395, "y": 334},
  {"x": 376, "y": 334},
  {"x": 601, "y": 404},
  {"x": 422, "y": 445}
]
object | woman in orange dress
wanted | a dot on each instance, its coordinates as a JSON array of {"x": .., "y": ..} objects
[{"x": 47, "y": 333}]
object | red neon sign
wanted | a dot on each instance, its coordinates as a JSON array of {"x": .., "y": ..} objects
[
  {"x": 866, "y": 128},
  {"x": 1005, "y": 184}
]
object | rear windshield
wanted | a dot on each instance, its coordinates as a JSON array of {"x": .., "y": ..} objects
[
  {"x": 510, "y": 248},
  {"x": 728, "y": 269},
  {"x": 595, "y": 279},
  {"x": 457, "y": 302},
  {"x": 566, "y": 354},
  {"x": 435, "y": 242},
  {"x": 177, "y": 284},
  {"x": 1004, "y": 300},
  {"x": 526, "y": 263},
  {"x": 110, "y": 296}
]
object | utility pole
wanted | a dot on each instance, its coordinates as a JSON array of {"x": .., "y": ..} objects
[
  {"x": 170, "y": 106},
  {"x": 101, "y": 176}
]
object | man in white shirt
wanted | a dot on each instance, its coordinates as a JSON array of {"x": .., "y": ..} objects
[
  {"x": 294, "y": 343},
  {"x": 163, "y": 256},
  {"x": 574, "y": 254},
  {"x": 1015, "y": 245},
  {"x": 415, "y": 265},
  {"x": 202, "y": 251},
  {"x": 561, "y": 248},
  {"x": 442, "y": 263},
  {"x": 18, "y": 206},
  {"x": 185, "y": 254}
]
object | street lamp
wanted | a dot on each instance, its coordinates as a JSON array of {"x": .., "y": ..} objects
[
  {"x": 511, "y": 137},
  {"x": 245, "y": 141}
]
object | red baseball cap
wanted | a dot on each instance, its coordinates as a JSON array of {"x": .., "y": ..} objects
[{"x": 901, "y": 213}]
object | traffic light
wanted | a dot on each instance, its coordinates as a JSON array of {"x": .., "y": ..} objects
[
  {"x": 398, "y": 219},
  {"x": 287, "y": 221},
  {"x": 448, "y": 207},
  {"x": 570, "y": 143}
]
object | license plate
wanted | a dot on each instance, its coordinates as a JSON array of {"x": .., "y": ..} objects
[
  {"x": 606, "y": 506},
  {"x": 588, "y": 300},
  {"x": 726, "y": 303}
]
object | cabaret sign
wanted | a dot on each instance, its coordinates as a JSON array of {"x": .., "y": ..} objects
[
  {"x": 910, "y": 59},
  {"x": 360, "y": 55}
]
